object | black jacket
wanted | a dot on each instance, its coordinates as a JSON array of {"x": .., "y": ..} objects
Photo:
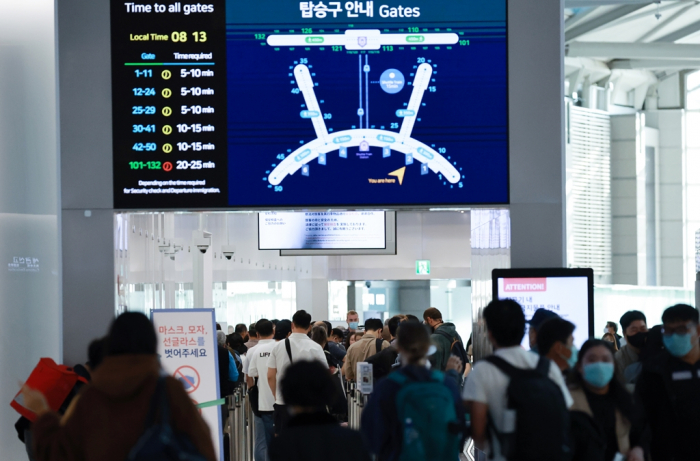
[
  {"x": 383, "y": 362},
  {"x": 669, "y": 390},
  {"x": 587, "y": 437},
  {"x": 317, "y": 437}
]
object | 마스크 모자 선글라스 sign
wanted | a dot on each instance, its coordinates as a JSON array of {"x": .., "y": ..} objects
[{"x": 188, "y": 352}]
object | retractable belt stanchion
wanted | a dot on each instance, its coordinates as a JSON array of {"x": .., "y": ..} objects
[
  {"x": 240, "y": 433},
  {"x": 353, "y": 406},
  {"x": 250, "y": 434},
  {"x": 233, "y": 406}
]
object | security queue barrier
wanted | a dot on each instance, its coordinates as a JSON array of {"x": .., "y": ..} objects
[{"x": 241, "y": 426}]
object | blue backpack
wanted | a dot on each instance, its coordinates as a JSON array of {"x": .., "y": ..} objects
[
  {"x": 428, "y": 419},
  {"x": 159, "y": 442}
]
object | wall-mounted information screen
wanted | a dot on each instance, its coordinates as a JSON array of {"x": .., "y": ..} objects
[
  {"x": 567, "y": 292},
  {"x": 331, "y": 230},
  {"x": 288, "y": 103}
]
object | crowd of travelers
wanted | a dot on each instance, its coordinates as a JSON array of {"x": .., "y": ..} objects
[{"x": 633, "y": 397}]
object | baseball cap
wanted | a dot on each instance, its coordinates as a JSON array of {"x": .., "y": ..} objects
[{"x": 540, "y": 316}]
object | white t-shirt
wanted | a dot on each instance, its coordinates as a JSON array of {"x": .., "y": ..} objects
[
  {"x": 246, "y": 363},
  {"x": 487, "y": 384},
  {"x": 257, "y": 368},
  {"x": 303, "y": 348}
]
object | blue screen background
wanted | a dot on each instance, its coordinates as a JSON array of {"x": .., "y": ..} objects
[{"x": 466, "y": 115}]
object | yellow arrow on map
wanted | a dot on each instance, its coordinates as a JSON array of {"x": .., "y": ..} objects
[{"x": 399, "y": 174}]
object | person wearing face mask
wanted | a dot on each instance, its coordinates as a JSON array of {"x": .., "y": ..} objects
[
  {"x": 628, "y": 363},
  {"x": 605, "y": 422},
  {"x": 669, "y": 387},
  {"x": 555, "y": 340},
  {"x": 353, "y": 320}
]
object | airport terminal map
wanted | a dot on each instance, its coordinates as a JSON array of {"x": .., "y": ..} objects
[{"x": 305, "y": 103}]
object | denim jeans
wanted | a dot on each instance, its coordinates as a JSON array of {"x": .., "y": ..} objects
[{"x": 264, "y": 432}]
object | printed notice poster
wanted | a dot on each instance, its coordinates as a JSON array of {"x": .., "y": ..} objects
[
  {"x": 188, "y": 352},
  {"x": 566, "y": 296}
]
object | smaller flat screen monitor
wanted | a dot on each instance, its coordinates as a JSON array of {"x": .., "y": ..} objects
[
  {"x": 567, "y": 292},
  {"x": 327, "y": 232}
]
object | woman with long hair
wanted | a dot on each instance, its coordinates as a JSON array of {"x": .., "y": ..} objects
[
  {"x": 604, "y": 418},
  {"x": 384, "y": 423},
  {"x": 609, "y": 337}
]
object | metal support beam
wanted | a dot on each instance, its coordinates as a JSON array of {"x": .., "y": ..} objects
[
  {"x": 605, "y": 18},
  {"x": 585, "y": 3},
  {"x": 578, "y": 17},
  {"x": 642, "y": 14},
  {"x": 633, "y": 50},
  {"x": 655, "y": 64},
  {"x": 690, "y": 29},
  {"x": 666, "y": 23}
]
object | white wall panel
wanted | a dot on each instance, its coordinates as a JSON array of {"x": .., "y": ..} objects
[{"x": 30, "y": 306}]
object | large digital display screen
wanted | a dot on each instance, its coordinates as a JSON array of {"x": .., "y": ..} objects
[
  {"x": 328, "y": 230},
  {"x": 287, "y": 103},
  {"x": 566, "y": 292}
]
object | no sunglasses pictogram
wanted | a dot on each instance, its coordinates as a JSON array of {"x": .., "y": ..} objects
[{"x": 189, "y": 377}]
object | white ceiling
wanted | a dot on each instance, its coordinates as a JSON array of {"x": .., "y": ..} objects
[{"x": 634, "y": 34}]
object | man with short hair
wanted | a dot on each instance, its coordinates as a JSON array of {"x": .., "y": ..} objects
[
  {"x": 486, "y": 390},
  {"x": 337, "y": 335},
  {"x": 257, "y": 363},
  {"x": 555, "y": 340},
  {"x": 336, "y": 351},
  {"x": 669, "y": 387},
  {"x": 368, "y": 345},
  {"x": 252, "y": 337},
  {"x": 353, "y": 320},
  {"x": 444, "y": 335},
  {"x": 296, "y": 348},
  {"x": 627, "y": 361},
  {"x": 242, "y": 330},
  {"x": 538, "y": 318}
]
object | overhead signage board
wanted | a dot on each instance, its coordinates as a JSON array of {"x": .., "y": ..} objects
[
  {"x": 287, "y": 104},
  {"x": 326, "y": 230},
  {"x": 188, "y": 351}
]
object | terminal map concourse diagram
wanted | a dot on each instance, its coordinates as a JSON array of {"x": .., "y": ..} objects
[
  {"x": 366, "y": 111},
  {"x": 363, "y": 138}
]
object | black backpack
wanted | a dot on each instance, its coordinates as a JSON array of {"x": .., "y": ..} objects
[
  {"x": 456, "y": 347},
  {"x": 541, "y": 416},
  {"x": 159, "y": 442}
]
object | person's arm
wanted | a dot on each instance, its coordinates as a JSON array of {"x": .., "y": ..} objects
[
  {"x": 252, "y": 372},
  {"x": 479, "y": 419},
  {"x": 475, "y": 397},
  {"x": 349, "y": 368},
  {"x": 232, "y": 370},
  {"x": 272, "y": 380},
  {"x": 53, "y": 440}
]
